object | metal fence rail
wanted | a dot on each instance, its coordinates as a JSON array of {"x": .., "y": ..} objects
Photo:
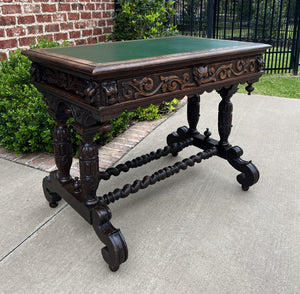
[{"x": 276, "y": 22}]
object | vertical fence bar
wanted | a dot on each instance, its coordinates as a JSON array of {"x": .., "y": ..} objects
[
  {"x": 225, "y": 18},
  {"x": 279, "y": 45},
  {"x": 241, "y": 18},
  {"x": 270, "y": 21},
  {"x": 192, "y": 17},
  {"x": 210, "y": 14},
  {"x": 296, "y": 51},
  {"x": 233, "y": 19},
  {"x": 256, "y": 22}
]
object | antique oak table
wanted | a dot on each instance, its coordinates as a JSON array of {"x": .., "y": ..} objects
[{"x": 96, "y": 83}]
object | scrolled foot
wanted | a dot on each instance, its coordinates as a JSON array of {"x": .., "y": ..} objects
[
  {"x": 178, "y": 136},
  {"x": 52, "y": 197},
  {"x": 249, "y": 173},
  {"x": 115, "y": 252}
]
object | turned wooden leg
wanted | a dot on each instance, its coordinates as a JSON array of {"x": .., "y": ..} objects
[
  {"x": 182, "y": 133},
  {"x": 225, "y": 115},
  {"x": 63, "y": 157},
  {"x": 62, "y": 148},
  {"x": 249, "y": 173},
  {"x": 89, "y": 165},
  {"x": 193, "y": 113}
]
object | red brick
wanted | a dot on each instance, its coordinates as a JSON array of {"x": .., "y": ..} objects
[
  {"x": 60, "y": 36},
  {"x": 118, "y": 146},
  {"x": 96, "y": 14},
  {"x": 7, "y": 1},
  {"x": 8, "y": 43},
  {"x": 105, "y": 165},
  {"x": 60, "y": 17},
  {"x": 12, "y": 155},
  {"x": 28, "y": 19},
  {"x": 26, "y": 158},
  {"x": 66, "y": 26},
  {"x": 97, "y": 31},
  {"x": 48, "y": 37},
  {"x": 43, "y": 18},
  {"x": 107, "y": 30},
  {"x": 106, "y": 14},
  {"x": 32, "y": 8},
  {"x": 74, "y": 35},
  {"x": 86, "y": 15},
  {"x": 92, "y": 40},
  {"x": 48, "y": 7},
  {"x": 15, "y": 32},
  {"x": 73, "y": 16},
  {"x": 7, "y": 20},
  {"x": 26, "y": 41},
  {"x": 48, "y": 165},
  {"x": 77, "y": 6},
  {"x": 80, "y": 42},
  {"x": 40, "y": 159},
  {"x": 38, "y": 29},
  {"x": 101, "y": 23},
  {"x": 80, "y": 25},
  {"x": 52, "y": 28},
  {"x": 110, "y": 6},
  {"x": 2, "y": 33},
  {"x": 110, "y": 151},
  {"x": 89, "y": 6},
  {"x": 102, "y": 38},
  {"x": 3, "y": 55},
  {"x": 86, "y": 33},
  {"x": 100, "y": 6},
  {"x": 108, "y": 158},
  {"x": 64, "y": 7},
  {"x": 11, "y": 9}
]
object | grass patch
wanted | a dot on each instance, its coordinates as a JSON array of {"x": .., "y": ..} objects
[{"x": 277, "y": 85}]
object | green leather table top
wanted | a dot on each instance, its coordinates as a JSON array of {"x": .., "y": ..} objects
[{"x": 128, "y": 50}]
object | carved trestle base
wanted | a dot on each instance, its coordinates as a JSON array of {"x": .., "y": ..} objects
[{"x": 115, "y": 251}]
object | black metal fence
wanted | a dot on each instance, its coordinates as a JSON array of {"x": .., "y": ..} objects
[{"x": 276, "y": 22}]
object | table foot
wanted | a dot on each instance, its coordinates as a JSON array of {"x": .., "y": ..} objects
[
  {"x": 115, "y": 252},
  {"x": 181, "y": 134},
  {"x": 52, "y": 197},
  {"x": 249, "y": 173}
]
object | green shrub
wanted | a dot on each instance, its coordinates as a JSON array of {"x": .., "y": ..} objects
[
  {"x": 25, "y": 125},
  {"x": 143, "y": 19}
]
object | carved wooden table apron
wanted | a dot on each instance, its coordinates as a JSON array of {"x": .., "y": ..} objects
[{"x": 96, "y": 83}]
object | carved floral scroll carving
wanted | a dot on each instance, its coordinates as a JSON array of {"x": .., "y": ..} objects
[
  {"x": 146, "y": 86},
  {"x": 213, "y": 73},
  {"x": 189, "y": 78},
  {"x": 111, "y": 92},
  {"x": 90, "y": 91}
]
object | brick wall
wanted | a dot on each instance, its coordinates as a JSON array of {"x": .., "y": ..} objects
[{"x": 79, "y": 22}]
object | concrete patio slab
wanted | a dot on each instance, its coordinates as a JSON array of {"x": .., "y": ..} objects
[
  {"x": 23, "y": 208},
  {"x": 196, "y": 232}
]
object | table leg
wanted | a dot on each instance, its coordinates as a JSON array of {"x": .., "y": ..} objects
[
  {"x": 250, "y": 173},
  {"x": 89, "y": 165},
  {"x": 63, "y": 157},
  {"x": 193, "y": 113},
  {"x": 115, "y": 252}
]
